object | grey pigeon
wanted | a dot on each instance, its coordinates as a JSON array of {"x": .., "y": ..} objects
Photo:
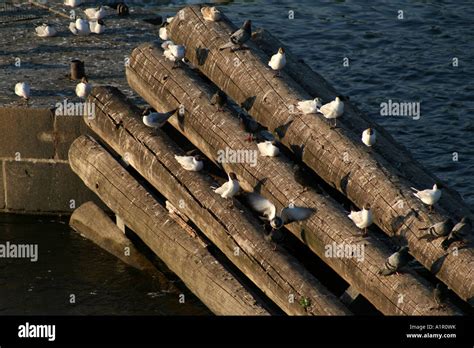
[
  {"x": 239, "y": 37},
  {"x": 396, "y": 261},
  {"x": 219, "y": 98},
  {"x": 154, "y": 119},
  {"x": 458, "y": 233},
  {"x": 440, "y": 229}
]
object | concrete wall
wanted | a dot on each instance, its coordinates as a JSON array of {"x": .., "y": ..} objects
[{"x": 35, "y": 176}]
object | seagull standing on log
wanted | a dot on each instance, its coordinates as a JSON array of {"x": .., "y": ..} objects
[
  {"x": 239, "y": 37},
  {"x": 363, "y": 218},
  {"x": 154, "y": 119},
  {"x": 190, "y": 163},
  {"x": 174, "y": 53},
  {"x": 278, "y": 61},
  {"x": 369, "y": 137},
  {"x": 333, "y": 110},
  {"x": 309, "y": 106},
  {"x": 429, "y": 196}
]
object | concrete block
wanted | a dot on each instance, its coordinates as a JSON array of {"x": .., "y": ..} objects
[{"x": 68, "y": 128}]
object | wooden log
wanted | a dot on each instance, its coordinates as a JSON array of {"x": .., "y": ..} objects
[
  {"x": 336, "y": 155},
  {"x": 151, "y": 153},
  {"x": 212, "y": 131},
  {"x": 200, "y": 271}
]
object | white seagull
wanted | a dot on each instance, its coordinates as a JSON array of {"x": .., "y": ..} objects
[
  {"x": 45, "y": 30},
  {"x": 97, "y": 27},
  {"x": 72, "y": 3},
  {"x": 163, "y": 33},
  {"x": 80, "y": 27},
  {"x": 211, "y": 14},
  {"x": 309, "y": 106},
  {"x": 154, "y": 119},
  {"x": 268, "y": 149},
  {"x": 230, "y": 188},
  {"x": 278, "y": 61},
  {"x": 362, "y": 219},
  {"x": 174, "y": 53},
  {"x": 369, "y": 137},
  {"x": 429, "y": 197},
  {"x": 22, "y": 89},
  {"x": 191, "y": 163},
  {"x": 95, "y": 13},
  {"x": 268, "y": 211},
  {"x": 83, "y": 88},
  {"x": 333, "y": 110}
]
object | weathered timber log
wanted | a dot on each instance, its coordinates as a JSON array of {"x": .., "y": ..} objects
[
  {"x": 151, "y": 153},
  {"x": 213, "y": 131},
  {"x": 336, "y": 155},
  {"x": 199, "y": 270},
  {"x": 395, "y": 153}
]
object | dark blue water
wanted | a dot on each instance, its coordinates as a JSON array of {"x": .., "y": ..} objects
[{"x": 404, "y": 60}]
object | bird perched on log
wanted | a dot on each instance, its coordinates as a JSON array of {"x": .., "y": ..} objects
[
  {"x": 219, "y": 98},
  {"x": 369, "y": 137},
  {"x": 268, "y": 212},
  {"x": 45, "y": 30},
  {"x": 80, "y": 27},
  {"x": 163, "y": 32},
  {"x": 154, "y": 119},
  {"x": 439, "y": 229},
  {"x": 429, "y": 196},
  {"x": 333, "y": 110},
  {"x": 211, "y": 14},
  {"x": 239, "y": 37},
  {"x": 278, "y": 61},
  {"x": 97, "y": 27},
  {"x": 190, "y": 163},
  {"x": 230, "y": 188},
  {"x": 458, "y": 233},
  {"x": 174, "y": 53},
  {"x": 396, "y": 261},
  {"x": 72, "y": 3},
  {"x": 267, "y": 148},
  {"x": 363, "y": 218},
  {"x": 95, "y": 13},
  {"x": 309, "y": 106},
  {"x": 83, "y": 88}
]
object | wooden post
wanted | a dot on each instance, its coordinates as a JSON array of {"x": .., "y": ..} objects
[
  {"x": 151, "y": 153},
  {"x": 336, "y": 155},
  {"x": 200, "y": 271},
  {"x": 211, "y": 131}
]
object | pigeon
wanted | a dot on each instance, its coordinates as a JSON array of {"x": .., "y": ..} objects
[
  {"x": 369, "y": 137},
  {"x": 268, "y": 211},
  {"x": 191, "y": 163},
  {"x": 154, "y": 119},
  {"x": 458, "y": 233},
  {"x": 83, "y": 88},
  {"x": 429, "y": 197},
  {"x": 174, "y": 53},
  {"x": 97, "y": 27},
  {"x": 362, "y": 219},
  {"x": 278, "y": 61},
  {"x": 396, "y": 261},
  {"x": 45, "y": 30},
  {"x": 211, "y": 14},
  {"x": 439, "y": 229},
  {"x": 239, "y": 37},
  {"x": 230, "y": 188},
  {"x": 95, "y": 13},
  {"x": 219, "y": 98},
  {"x": 22, "y": 89},
  {"x": 268, "y": 149},
  {"x": 333, "y": 110},
  {"x": 163, "y": 32},
  {"x": 440, "y": 294},
  {"x": 309, "y": 106},
  {"x": 72, "y": 3},
  {"x": 80, "y": 27}
]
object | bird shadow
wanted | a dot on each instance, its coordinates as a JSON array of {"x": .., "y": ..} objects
[
  {"x": 281, "y": 130},
  {"x": 248, "y": 103},
  {"x": 298, "y": 151},
  {"x": 436, "y": 266},
  {"x": 258, "y": 187},
  {"x": 344, "y": 182},
  {"x": 201, "y": 55}
]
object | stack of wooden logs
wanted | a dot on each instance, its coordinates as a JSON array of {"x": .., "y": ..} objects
[{"x": 200, "y": 218}]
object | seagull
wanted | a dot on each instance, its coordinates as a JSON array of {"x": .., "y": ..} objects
[
  {"x": 278, "y": 61},
  {"x": 80, "y": 27},
  {"x": 191, "y": 163},
  {"x": 429, "y": 197},
  {"x": 396, "y": 261},
  {"x": 45, "y": 30},
  {"x": 230, "y": 188},
  {"x": 239, "y": 37},
  {"x": 169, "y": 20},
  {"x": 439, "y": 229},
  {"x": 219, "y": 98},
  {"x": 163, "y": 33},
  {"x": 83, "y": 88},
  {"x": 309, "y": 106},
  {"x": 211, "y": 14},
  {"x": 268, "y": 211},
  {"x": 95, "y": 13},
  {"x": 369, "y": 137},
  {"x": 333, "y": 110},
  {"x": 22, "y": 89},
  {"x": 268, "y": 149},
  {"x": 72, "y": 3},
  {"x": 97, "y": 27},
  {"x": 458, "y": 233},
  {"x": 174, "y": 53},
  {"x": 154, "y": 119},
  {"x": 362, "y": 219}
]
